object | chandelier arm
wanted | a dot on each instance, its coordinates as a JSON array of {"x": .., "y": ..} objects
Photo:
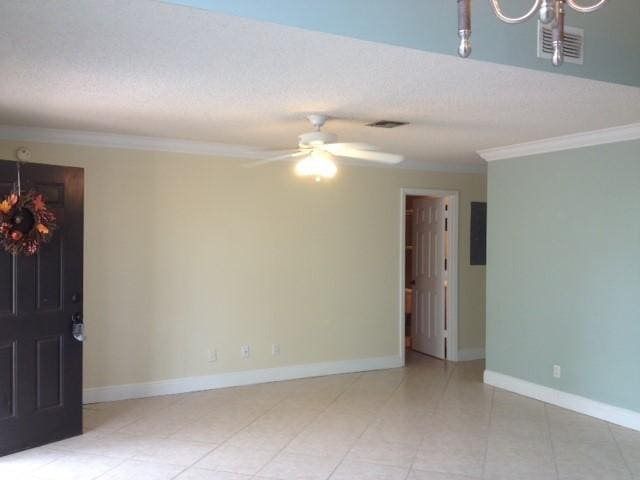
[
  {"x": 579, "y": 8},
  {"x": 497, "y": 9}
]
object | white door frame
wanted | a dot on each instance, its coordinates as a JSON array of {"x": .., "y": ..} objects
[{"x": 452, "y": 297}]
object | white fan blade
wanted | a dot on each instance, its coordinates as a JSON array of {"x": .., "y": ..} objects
[
  {"x": 286, "y": 156},
  {"x": 352, "y": 146},
  {"x": 345, "y": 150}
]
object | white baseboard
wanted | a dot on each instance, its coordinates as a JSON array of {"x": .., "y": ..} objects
[
  {"x": 234, "y": 379},
  {"x": 603, "y": 411},
  {"x": 468, "y": 354}
]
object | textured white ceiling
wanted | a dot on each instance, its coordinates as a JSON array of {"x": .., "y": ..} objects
[{"x": 147, "y": 68}]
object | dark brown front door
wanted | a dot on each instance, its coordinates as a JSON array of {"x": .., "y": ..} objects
[{"x": 40, "y": 296}]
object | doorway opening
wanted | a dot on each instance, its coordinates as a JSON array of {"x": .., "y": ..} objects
[{"x": 429, "y": 272}]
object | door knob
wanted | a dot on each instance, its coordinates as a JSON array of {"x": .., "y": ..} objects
[{"x": 77, "y": 327}]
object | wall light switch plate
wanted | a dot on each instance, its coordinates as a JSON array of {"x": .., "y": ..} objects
[
  {"x": 245, "y": 351},
  {"x": 212, "y": 355},
  {"x": 275, "y": 349},
  {"x": 557, "y": 371}
]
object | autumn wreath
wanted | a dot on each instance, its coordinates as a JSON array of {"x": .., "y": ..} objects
[{"x": 25, "y": 223}]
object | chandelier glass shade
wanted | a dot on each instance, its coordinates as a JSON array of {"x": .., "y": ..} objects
[{"x": 549, "y": 12}]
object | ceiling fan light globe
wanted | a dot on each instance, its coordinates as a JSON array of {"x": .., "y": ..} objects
[{"x": 317, "y": 164}]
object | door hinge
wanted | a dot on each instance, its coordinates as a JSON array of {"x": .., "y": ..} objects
[
  {"x": 446, "y": 224},
  {"x": 445, "y": 264}
]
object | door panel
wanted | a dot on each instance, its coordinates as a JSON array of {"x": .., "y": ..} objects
[
  {"x": 49, "y": 355},
  {"x": 7, "y": 379},
  {"x": 40, "y": 361},
  {"x": 6, "y": 284},
  {"x": 428, "y": 332},
  {"x": 49, "y": 276}
]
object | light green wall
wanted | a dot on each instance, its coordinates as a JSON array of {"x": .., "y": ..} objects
[{"x": 563, "y": 274}]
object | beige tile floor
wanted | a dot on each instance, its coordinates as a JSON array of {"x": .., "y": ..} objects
[{"x": 428, "y": 421}]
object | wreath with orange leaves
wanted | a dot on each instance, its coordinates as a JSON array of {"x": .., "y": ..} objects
[{"x": 25, "y": 223}]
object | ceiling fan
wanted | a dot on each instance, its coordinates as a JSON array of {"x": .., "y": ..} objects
[{"x": 319, "y": 148}]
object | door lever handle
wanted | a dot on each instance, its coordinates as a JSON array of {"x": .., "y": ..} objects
[{"x": 77, "y": 327}]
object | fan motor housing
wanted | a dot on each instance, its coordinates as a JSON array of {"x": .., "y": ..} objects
[{"x": 314, "y": 139}]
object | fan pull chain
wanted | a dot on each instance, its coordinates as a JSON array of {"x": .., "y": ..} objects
[
  {"x": 23, "y": 154},
  {"x": 19, "y": 179}
]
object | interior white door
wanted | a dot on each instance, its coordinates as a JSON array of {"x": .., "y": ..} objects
[{"x": 428, "y": 322}]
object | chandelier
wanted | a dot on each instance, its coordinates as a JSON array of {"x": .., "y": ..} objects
[{"x": 549, "y": 12}]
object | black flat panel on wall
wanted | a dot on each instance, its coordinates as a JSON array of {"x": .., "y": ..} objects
[
  {"x": 7, "y": 379},
  {"x": 478, "y": 240}
]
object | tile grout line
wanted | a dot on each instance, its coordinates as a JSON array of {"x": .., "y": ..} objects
[
  {"x": 436, "y": 409},
  {"x": 217, "y": 445},
  {"x": 109, "y": 470},
  {"x": 231, "y": 435},
  {"x": 366, "y": 428},
  {"x": 191, "y": 465},
  {"x": 131, "y": 458},
  {"x": 62, "y": 453},
  {"x": 553, "y": 447},
  {"x": 624, "y": 458},
  {"x": 258, "y": 418},
  {"x": 444, "y": 388},
  {"x": 227, "y": 438},
  {"x": 486, "y": 447},
  {"x": 359, "y": 375},
  {"x": 118, "y": 430}
]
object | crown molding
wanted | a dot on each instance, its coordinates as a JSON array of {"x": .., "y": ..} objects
[
  {"x": 622, "y": 133},
  {"x": 130, "y": 142},
  {"x": 446, "y": 167},
  {"x": 193, "y": 147},
  {"x": 479, "y": 168}
]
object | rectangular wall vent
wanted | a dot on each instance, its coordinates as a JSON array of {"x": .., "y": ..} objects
[
  {"x": 573, "y": 43},
  {"x": 386, "y": 124}
]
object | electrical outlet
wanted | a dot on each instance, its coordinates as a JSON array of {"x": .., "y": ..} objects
[
  {"x": 245, "y": 351},
  {"x": 275, "y": 349},
  {"x": 557, "y": 371},
  {"x": 212, "y": 355}
]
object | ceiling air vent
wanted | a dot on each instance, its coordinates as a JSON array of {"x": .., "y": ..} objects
[
  {"x": 573, "y": 43},
  {"x": 386, "y": 124}
]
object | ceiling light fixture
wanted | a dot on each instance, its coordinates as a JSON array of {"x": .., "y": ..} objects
[
  {"x": 318, "y": 164},
  {"x": 549, "y": 12}
]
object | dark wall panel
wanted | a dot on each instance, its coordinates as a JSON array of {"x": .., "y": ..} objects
[{"x": 478, "y": 240}]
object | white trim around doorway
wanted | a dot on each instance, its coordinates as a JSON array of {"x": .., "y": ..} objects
[{"x": 452, "y": 307}]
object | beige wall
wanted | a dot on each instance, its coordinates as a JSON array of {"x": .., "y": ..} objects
[{"x": 185, "y": 253}]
